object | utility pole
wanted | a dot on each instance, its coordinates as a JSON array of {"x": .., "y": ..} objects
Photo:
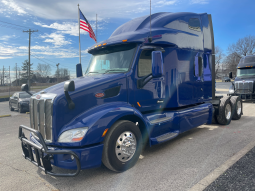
[
  {"x": 16, "y": 75},
  {"x": 29, "y": 31},
  {"x": 57, "y": 72},
  {"x": 19, "y": 76},
  {"x": 3, "y": 75},
  {"x": 9, "y": 80}
]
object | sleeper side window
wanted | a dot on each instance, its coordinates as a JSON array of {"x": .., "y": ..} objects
[
  {"x": 198, "y": 66},
  {"x": 144, "y": 64},
  {"x": 194, "y": 24}
]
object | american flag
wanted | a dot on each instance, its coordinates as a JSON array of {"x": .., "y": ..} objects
[{"x": 84, "y": 24}]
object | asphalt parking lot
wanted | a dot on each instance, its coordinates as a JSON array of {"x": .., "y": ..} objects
[{"x": 179, "y": 164}]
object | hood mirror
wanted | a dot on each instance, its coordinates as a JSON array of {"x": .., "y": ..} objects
[
  {"x": 24, "y": 88},
  {"x": 230, "y": 75},
  {"x": 69, "y": 87}
]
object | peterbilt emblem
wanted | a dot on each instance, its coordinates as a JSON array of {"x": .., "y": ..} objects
[
  {"x": 99, "y": 95},
  {"x": 38, "y": 97}
]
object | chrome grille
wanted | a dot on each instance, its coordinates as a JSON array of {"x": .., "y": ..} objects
[
  {"x": 244, "y": 87},
  {"x": 41, "y": 114}
]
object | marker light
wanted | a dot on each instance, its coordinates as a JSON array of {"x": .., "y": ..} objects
[
  {"x": 95, "y": 46},
  {"x": 124, "y": 40},
  {"x": 100, "y": 45},
  {"x": 104, "y": 43},
  {"x": 104, "y": 133},
  {"x": 73, "y": 135}
]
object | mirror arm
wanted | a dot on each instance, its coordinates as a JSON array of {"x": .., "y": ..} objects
[
  {"x": 71, "y": 104},
  {"x": 29, "y": 93},
  {"x": 142, "y": 82}
]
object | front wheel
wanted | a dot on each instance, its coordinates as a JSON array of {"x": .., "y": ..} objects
[{"x": 122, "y": 146}]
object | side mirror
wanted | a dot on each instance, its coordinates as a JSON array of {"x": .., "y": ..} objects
[
  {"x": 69, "y": 86},
  {"x": 78, "y": 70},
  {"x": 230, "y": 75},
  {"x": 24, "y": 87},
  {"x": 157, "y": 64}
]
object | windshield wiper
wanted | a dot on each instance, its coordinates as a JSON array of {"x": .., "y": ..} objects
[
  {"x": 93, "y": 72},
  {"x": 115, "y": 70}
]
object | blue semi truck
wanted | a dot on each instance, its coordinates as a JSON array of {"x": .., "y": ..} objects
[{"x": 146, "y": 84}]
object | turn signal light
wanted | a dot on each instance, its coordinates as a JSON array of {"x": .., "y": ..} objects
[
  {"x": 104, "y": 133},
  {"x": 124, "y": 40},
  {"x": 138, "y": 104}
]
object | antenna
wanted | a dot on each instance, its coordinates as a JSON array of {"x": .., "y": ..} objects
[{"x": 150, "y": 39}]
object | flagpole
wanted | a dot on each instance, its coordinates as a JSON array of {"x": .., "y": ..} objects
[
  {"x": 79, "y": 33},
  {"x": 96, "y": 27}
]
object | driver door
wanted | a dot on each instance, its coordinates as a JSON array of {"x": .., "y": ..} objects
[{"x": 151, "y": 96}]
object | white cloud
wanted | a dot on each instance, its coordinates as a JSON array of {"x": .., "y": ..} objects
[
  {"x": 6, "y": 37},
  {"x": 199, "y": 1},
  {"x": 66, "y": 9},
  {"x": 5, "y": 57},
  {"x": 14, "y": 6},
  {"x": 56, "y": 39}
]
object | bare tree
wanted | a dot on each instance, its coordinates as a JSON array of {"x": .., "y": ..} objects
[
  {"x": 219, "y": 55},
  {"x": 43, "y": 71},
  {"x": 236, "y": 51},
  {"x": 243, "y": 46},
  {"x": 62, "y": 74}
]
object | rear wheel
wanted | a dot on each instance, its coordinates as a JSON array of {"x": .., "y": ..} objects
[
  {"x": 122, "y": 146},
  {"x": 237, "y": 107},
  {"x": 225, "y": 111},
  {"x": 10, "y": 106}
]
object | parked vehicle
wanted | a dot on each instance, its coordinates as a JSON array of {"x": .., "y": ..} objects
[
  {"x": 244, "y": 84},
  {"x": 226, "y": 79},
  {"x": 19, "y": 101},
  {"x": 141, "y": 86}
]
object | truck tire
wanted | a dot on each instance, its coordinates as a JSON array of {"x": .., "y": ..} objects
[
  {"x": 237, "y": 107},
  {"x": 225, "y": 111},
  {"x": 122, "y": 146}
]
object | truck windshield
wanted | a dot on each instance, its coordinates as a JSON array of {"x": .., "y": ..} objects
[
  {"x": 114, "y": 59},
  {"x": 246, "y": 72}
]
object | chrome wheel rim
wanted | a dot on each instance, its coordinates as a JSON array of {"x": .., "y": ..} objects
[
  {"x": 238, "y": 108},
  {"x": 125, "y": 146},
  {"x": 228, "y": 111}
]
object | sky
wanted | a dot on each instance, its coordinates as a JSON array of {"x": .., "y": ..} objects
[{"x": 57, "y": 39}]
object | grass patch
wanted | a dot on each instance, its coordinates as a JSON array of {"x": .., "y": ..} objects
[{"x": 4, "y": 96}]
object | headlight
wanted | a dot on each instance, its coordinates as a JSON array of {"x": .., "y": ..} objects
[
  {"x": 231, "y": 91},
  {"x": 73, "y": 135}
]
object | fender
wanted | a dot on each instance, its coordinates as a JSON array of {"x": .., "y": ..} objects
[{"x": 98, "y": 119}]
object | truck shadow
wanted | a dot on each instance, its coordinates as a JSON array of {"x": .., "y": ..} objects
[{"x": 87, "y": 177}]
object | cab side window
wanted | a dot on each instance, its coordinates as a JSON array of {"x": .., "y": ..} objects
[
  {"x": 194, "y": 24},
  {"x": 144, "y": 64}
]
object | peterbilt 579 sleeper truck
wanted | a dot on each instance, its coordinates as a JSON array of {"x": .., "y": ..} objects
[
  {"x": 244, "y": 84},
  {"x": 143, "y": 85}
]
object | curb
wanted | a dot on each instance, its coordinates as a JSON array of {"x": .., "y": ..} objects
[
  {"x": 5, "y": 116},
  {"x": 202, "y": 184}
]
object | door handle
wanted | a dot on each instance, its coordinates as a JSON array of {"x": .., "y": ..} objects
[{"x": 160, "y": 101}]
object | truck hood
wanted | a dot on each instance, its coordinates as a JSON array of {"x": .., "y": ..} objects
[{"x": 85, "y": 82}]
